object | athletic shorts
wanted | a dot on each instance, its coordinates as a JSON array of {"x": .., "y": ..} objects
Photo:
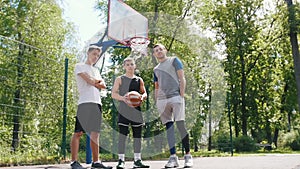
[
  {"x": 137, "y": 122},
  {"x": 130, "y": 116},
  {"x": 171, "y": 109},
  {"x": 88, "y": 118}
]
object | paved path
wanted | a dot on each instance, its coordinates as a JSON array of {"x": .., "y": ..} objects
[{"x": 272, "y": 161}]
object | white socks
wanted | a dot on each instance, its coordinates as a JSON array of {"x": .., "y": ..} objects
[
  {"x": 122, "y": 157},
  {"x": 137, "y": 156},
  {"x": 97, "y": 161}
]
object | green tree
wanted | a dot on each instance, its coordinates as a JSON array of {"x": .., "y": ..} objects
[
  {"x": 32, "y": 66},
  {"x": 293, "y": 31},
  {"x": 257, "y": 62}
]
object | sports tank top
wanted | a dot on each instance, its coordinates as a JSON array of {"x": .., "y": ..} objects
[{"x": 129, "y": 84}]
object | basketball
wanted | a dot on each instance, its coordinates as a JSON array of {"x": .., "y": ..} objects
[{"x": 133, "y": 99}]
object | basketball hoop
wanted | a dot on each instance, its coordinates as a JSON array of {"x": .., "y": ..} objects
[
  {"x": 128, "y": 27},
  {"x": 139, "y": 44}
]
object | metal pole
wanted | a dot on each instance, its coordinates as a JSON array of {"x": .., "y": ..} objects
[
  {"x": 65, "y": 108},
  {"x": 115, "y": 144},
  {"x": 228, "y": 104},
  {"x": 88, "y": 152},
  {"x": 147, "y": 117},
  {"x": 114, "y": 121}
]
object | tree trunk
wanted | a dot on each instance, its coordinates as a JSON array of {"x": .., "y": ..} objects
[
  {"x": 235, "y": 120},
  {"x": 154, "y": 22},
  {"x": 17, "y": 115},
  {"x": 209, "y": 120},
  {"x": 16, "y": 122},
  {"x": 268, "y": 131},
  {"x": 275, "y": 138},
  {"x": 295, "y": 46},
  {"x": 244, "y": 116},
  {"x": 234, "y": 104}
]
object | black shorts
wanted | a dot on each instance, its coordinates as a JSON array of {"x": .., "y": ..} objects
[
  {"x": 130, "y": 116},
  {"x": 88, "y": 118}
]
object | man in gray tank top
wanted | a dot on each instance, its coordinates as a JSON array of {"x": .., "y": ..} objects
[{"x": 170, "y": 85}]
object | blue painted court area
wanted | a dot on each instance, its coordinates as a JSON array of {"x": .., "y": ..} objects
[{"x": 272, "y": 161}]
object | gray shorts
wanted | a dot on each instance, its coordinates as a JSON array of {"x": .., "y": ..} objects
[
  {"x": 88, "y": 118},
  {"x": 171, "y": 109}
]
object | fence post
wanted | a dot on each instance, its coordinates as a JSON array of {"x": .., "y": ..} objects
[{"x": 65, "y": 108}]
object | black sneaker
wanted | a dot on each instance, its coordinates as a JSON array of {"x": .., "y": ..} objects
[
  {"x": 139, "y": 164},
  {"x": 100, "y": 165},
  {"x": 76, "y": 165},
  {"x": 121, "y": 164}
]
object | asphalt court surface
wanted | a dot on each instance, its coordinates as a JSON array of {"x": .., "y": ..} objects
[{"x": 271, "y": 161}]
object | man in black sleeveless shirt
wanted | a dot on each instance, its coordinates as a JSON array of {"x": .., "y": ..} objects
[{"x": 129, "y": 115}]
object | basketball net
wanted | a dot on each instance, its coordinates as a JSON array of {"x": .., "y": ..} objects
[{"x": 139, "y": 46}]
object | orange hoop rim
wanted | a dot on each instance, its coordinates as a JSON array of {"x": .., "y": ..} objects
[
  {"x": 132, "y": 43},
  {"x": 139, "y": 44}
]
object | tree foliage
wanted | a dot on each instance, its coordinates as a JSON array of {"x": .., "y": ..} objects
[
  {"x": 258, "y": 63},
  {"x": 237, "y": 47},
  {"x": 32, "y": 68}
]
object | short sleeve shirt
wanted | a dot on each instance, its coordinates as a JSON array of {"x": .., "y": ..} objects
[
  {"x": 165, "y": 74},
  {"x": 87, "y": 92}
]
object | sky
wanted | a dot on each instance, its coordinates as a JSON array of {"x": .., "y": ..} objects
[{"x": 85, "y": 17}]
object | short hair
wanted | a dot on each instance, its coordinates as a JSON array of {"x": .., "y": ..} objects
[
  {"x": 128, "y": 59},
  {"x": 93, "y": 47},
  {"x": 159, "y": 44}
]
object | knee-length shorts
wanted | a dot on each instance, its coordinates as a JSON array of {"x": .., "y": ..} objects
[
  {"x": 88, "y": 117},
  {"x": 171, "y": 109}
]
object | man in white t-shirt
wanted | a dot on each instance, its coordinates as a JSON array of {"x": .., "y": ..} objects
[{"x": 89, "y": 112}]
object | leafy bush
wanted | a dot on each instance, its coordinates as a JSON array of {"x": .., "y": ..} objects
[
  {"x": 295, "y": 144},
  {"x": 222, "y": 142},
  {"x": 291, "y": 140},
  {"x": 244, "y": 144}
]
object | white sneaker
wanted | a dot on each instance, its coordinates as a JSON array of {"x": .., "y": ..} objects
[
  {"x": 173, "y": 162},
  {"x": 188, "y": 161}
]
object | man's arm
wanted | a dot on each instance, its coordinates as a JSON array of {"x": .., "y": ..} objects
[
  {"x": 143, "y": 89},
  {"x": 182, "y": 82},
  {"x": 180, "y": 73},
  {"x": 115, "y": 90},
  {"x": 98, "y": 83},
  {"x": 156, "y": 86}
]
